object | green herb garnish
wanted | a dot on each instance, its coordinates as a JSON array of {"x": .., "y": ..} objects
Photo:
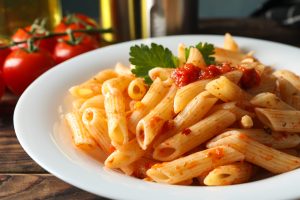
[{"x": 146, "y": 58}]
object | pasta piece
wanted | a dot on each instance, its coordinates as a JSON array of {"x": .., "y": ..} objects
[
  {"x": 223, "y": 55},
  {"x": 92, "y": 87},
  {"x": 163, "y": 73},
  {"x": 232, "y": 107},
  {"x": 267, "y": 82},
  {"x": 289, "y": 76},
  {"x": 229, "y": 43},
  {"x": 181, "y": 54},
  {"x": 125, "y": 155},
  {"x": 193, "y": 136},
  {"x": 154, "y": 95},
  {"x": 141, "y": 166},
  {"x": 186, "y": 93},
  {"x": 80, "y": 135},
  {"x": 192, "y": 113},
  {"x": 95, "y": 102},
  {"x": 77, "y": 103},
  {"x": 235, "y": 173},
  {"x": 193, "y": 165},
  {"x": 246, "y": 121},
  {"x": 152, "y": 123},
  {"x": 289, "y": 93},
  {"x": 122, "y": 69},
  {"x": 137, "y": 89},
  {"x": 279, "y": 120},
  {"x": 259, "y": 154},
  {"x": 120, "y": 83},
  {"x": 116, "y": 118},
  {"x": 196, "y": 58},
  {"x": 95, "y": 122},
  {"x": 270, "y": 100},
  {"x": 234, "y": 76},
  {"x": 226, "y": 90},
  {"x": 277, "y": 140}
]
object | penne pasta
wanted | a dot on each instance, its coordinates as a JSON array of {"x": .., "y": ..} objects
[
  {"x": 224, "y": 55},
  {"x": 196, "y": 58},
  {"x": 137, "y": 89},
  {"x": 80, "y": 135},
  {"x": 95, "y": 122},
  {"x": 229, "y": 43},
  {"x": 154, "y": 95},
  {"x": 193, "y": 165},
  {"x": 226, "y": 90},
  {"x": 266, "y": 157},
  {"x": 186, "y": 93},
  {"x": 192, "y": 113},
  {"x": 279, "y": 120},
  {"x": 181, "y": 54},
  {"x": 92, "y": 86},
  {"x": 231, "y": 174},
  {"x": 277, "y": 140},
  {"x": 124, "y": 155},
  {"x": 116, "y": 118},
  {"x": 122, "y": 69},
  {"x": 232, "y": 107},
  {"x": 95, "y": 102},
  {"x": 270, "y": 100},
  {"x": 148, "y": 127},
  {"x": 163, "y": 73},
  {"x": 289, "y": 76},
  {"x": 193, "y": 136}
]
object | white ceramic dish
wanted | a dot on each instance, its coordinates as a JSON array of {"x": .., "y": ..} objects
[{"x": 37, "y": 113}]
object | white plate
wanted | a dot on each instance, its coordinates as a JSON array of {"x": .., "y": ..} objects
[{"x": 37, "y": 113}]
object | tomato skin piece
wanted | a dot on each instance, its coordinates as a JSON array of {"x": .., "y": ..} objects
[
  {"x": 64, "y": 51},
  {"x": 2, "y": 85},
  {"x": 24, "y": 34},
  {"x": 21, "y": 68}
]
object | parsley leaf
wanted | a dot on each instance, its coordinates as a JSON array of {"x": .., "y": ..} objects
[
  {"x": 146, "y": 58},
  {"x": 206, "y": 49}
]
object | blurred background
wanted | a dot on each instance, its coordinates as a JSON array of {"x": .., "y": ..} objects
[{"x": 255, "y": 18}]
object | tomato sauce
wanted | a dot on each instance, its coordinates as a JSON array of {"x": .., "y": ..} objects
[
  {"x": 186, "y": 131},
  {"x": 250, "y": 78},
  {"x": 190, "y": 73},
  {"x": 186, "y": 74}
]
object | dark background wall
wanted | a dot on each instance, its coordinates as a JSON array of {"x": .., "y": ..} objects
[{"x": 207, "y": 8}]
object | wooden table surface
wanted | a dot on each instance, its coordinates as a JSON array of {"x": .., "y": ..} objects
[{"x": 22, "y": 178}]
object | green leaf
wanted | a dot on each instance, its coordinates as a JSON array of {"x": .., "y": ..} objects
[
  {"x": 142, "y": 72},
  {"x": 146, "y": 58}
]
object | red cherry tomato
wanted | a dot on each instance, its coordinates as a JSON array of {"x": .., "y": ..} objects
[
  {"x": 65, "y": 50},
  {"x": 22, "y": 67},
  {"x": 75, "y": 22},
  {"x": 2, "y": 86},
  {"x": 3, "y": 54},
  {"x": 25, "y": 33}
]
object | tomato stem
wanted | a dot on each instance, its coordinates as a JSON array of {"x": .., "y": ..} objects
[
  {"x": 31, "y": 46},
  {"x": 51, "y": 34}
]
